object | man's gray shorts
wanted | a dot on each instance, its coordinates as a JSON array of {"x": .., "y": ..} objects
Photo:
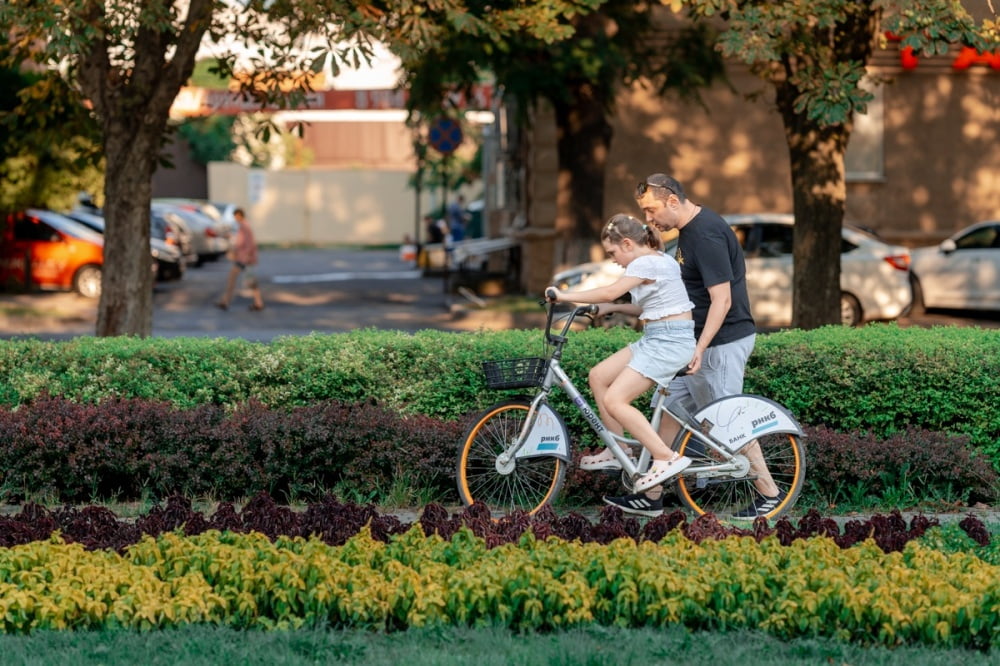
[{"x": 721, "y": 374}]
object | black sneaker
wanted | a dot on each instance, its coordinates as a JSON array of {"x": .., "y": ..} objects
[
  {"x": 638, "y": 504},
  {"x": 761, "y": 506}
]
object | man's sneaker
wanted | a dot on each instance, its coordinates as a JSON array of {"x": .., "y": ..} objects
[
  {"x": 761, "y": 506},
  {"x": 638, "y": 504}
]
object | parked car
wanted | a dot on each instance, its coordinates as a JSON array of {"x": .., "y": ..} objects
[
  {"x": 211, "y": 235},
  {"x": 217, "y": 210},
  {"x": 874, "y": 278},
  {"x": 45, "y": 250},
  {"x": 963, "y": 272},
  {"x": 173, "y": 232},
  {"x": 170, "y": 265},
  {"x": 209, "y": 241}
]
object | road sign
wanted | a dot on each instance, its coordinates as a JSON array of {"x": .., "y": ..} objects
[{"x": 445, "y": 135}]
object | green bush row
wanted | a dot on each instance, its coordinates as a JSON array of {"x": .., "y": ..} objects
[
  {"x": 881, "y": 378},
  {"x": 878, "y": 379}
]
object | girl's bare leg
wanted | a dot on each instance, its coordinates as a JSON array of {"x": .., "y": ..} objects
[
  {"x": 601, "y": 377},
  {"x": 618, "y": 399}
]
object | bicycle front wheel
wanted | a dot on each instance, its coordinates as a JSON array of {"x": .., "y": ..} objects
[
  {"x": 781, "y": 456},
  {"x": 526, "y": 483}
]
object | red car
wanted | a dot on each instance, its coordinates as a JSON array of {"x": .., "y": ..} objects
[{"x": 45, "y": 250}]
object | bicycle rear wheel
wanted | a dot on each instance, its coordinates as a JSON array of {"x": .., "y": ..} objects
[
  {"x": 723, "y": 495},
  {"x": 527, "y": 484}
]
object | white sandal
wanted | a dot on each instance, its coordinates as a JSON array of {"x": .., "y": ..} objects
[
  {"x": 660, "y": 471},
  {"x": 600, "y": 462}
]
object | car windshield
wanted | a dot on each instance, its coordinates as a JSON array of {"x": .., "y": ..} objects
[
  {"x": 70, "y": 227},
  {"x": 978, "y": 239},
  {"x": 90, "y": 221}
]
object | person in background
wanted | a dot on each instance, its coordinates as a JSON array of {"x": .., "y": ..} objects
[
  {"x": 243, "y": 255},
  {"x": 714, "y": 273},
  {"x": 435, "y": 229},
  {"x": 456, "y": 218}
]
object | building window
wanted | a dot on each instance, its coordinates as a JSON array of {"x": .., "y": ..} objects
[{"x": 864, "y": 161}]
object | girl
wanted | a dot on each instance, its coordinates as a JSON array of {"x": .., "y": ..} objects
[{"x": 667, "y": 344}]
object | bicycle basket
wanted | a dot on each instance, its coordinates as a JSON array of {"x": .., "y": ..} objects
[{"x": 515, "y": 373}]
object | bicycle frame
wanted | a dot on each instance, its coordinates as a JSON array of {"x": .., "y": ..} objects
[{"x": 726, "y": 426}]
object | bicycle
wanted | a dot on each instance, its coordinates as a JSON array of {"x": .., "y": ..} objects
[{"x": 516, "y": 453}]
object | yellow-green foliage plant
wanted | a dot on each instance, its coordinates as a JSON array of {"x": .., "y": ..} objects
[{"x": 809, "y": 588}]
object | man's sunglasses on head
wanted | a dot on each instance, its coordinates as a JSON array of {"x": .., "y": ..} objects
[{"x": 642, "y": 187}]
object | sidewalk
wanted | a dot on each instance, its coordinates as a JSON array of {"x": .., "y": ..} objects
[
  {"x": 304, "y": 291},
  {"x": 314, "y": 290}
]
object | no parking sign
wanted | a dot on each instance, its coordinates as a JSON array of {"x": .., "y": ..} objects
[{"x": 445, "y": 135}]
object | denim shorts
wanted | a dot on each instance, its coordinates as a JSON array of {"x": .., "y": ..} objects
[
  {"x": 664, "y": 348},
  {"x": 721, "y": 374}
]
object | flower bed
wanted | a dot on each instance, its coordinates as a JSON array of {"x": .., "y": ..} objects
[{"x": 701, "y": 574}]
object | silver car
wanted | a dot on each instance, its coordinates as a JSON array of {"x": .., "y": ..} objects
[
  {"x": 170, "y": 264},
  {"x": 963, "y": 272},
  {"x": 209, "y": 238},
  {"x": 874, "y": 275}
]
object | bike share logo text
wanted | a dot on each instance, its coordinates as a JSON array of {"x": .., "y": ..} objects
[
  {"x": 546, "y": 423},
  {"x": 764, "y": 422}
]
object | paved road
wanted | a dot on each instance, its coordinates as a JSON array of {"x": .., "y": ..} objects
[
  {"x": 309, "y": 290},
  {"x": 304, "y": 291}
]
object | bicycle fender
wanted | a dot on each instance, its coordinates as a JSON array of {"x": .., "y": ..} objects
[
  {"x": 547, "y": 437},
  {"x": 736, "y": 420}
]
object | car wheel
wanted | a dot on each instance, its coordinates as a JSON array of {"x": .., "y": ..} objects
[
  {"x": 87, "y": 281},
  {"x": 918, "y": 306},
  {"x": 169, "y": 273},
  {"x": 850, "y": 310}
]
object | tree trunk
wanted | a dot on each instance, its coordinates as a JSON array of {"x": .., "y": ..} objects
[
  {"x": 819, "y": 193},
  {"x": 584, "y": 141},
  {"x": 126, "y": 306},
  {"x": 133, "y": 104},
  {"x": 816, "y": 149}
]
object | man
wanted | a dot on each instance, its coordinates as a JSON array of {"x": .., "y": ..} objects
[
  {"x": 714, "y": 273},
  {"x": 243, "y": 254}
]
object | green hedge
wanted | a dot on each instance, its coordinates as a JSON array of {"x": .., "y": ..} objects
[
  {"x": 877, "y": 379},
  {"x": 882, "y": 378}
]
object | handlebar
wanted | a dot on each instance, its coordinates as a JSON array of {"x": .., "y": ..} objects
[{"x": 589, "y": 310}]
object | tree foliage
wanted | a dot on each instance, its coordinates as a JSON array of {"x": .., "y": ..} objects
[
  {"x": 53, "y": 153},
  {"x": 210, "y": 138},
  {"x": 579, "y": 77},
  {"x": 814, "y": 55},
  {"x": 128, "y": 60}
]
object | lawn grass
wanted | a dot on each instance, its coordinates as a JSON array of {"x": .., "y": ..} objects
[{"x": 594, "y": 646}]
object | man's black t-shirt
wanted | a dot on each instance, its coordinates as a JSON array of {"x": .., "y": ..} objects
[{"x": 710, "y": 254}]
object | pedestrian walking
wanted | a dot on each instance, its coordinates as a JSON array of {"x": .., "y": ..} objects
[{"x": 243, "y": 255}]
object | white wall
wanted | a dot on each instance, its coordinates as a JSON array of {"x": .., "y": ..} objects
[{"x": 320, "y": 205}]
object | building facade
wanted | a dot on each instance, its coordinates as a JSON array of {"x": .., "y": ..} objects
[{"x": 922, "y": 163}]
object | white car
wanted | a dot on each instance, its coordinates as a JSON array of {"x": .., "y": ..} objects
[
  {"x": 963, "y": 272},
  {"x": 874, "y": 279}
]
